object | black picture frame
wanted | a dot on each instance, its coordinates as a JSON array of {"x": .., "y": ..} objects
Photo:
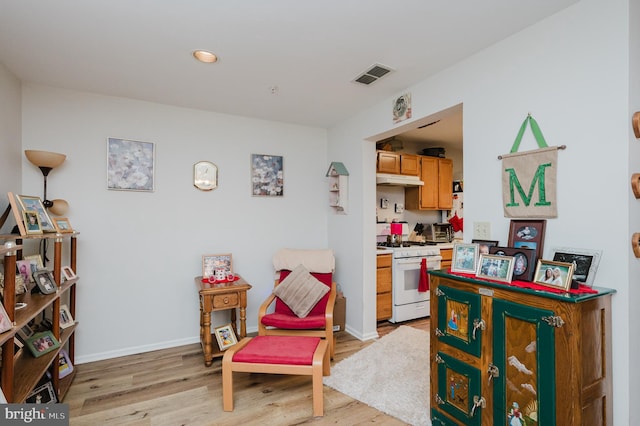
[
  {"x": 525, "y": 233},
  {"x": 484, "y": 245},
  {"x": 522, "y": 256}
]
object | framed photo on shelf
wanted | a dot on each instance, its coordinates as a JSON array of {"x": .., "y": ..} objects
[
  {"x": 24, "y": 269},
  {"x": 31, "y": 222},
  {"x": 42, "y": 343},
  {"x": 585, "y": 262},
  {"x": 25, "y": 332},
  {"x": 465, "y": 258},
  {"x": 494, "y": 267},
  {"x": 213, "y": 262},
  {"x": 18, "y": 344},
  {"x": 66, "y": 319},
  {"x": 45, "y": 282},
  {"x": 554, "y": 274},
  {"x": 485, "y": 245},
  {"x": 42, "y": 395},
  {"x": 35, "y": 261},
  {"x": 30, "y": 203},
  {"x": 267, "y": 175},
  {"x": 130, "y": 165},
  {"x": 68, "y": 273},
  {"x": 64, "y": 364},
  {"x": 225, "y": 336},
  {"x": 525, "y": 261},
  {"x": 524, "y": 233},
  {"x": 62, "y": 225},
  {"x": 5, "y": 322}
]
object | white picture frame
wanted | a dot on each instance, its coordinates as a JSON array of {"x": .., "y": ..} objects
[
  {"x": 586, "y": 262},
  {"x": 66, "y": 319}
]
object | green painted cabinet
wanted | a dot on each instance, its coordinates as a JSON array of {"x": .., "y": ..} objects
[{"x": 504, "y": 355}]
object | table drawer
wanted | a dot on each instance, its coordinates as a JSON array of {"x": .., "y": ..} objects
[{"x": 228, "y": 300}]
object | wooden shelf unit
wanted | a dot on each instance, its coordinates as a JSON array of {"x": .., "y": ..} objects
[{"x": 20, "y": 372}]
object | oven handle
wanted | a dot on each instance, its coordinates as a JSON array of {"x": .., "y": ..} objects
[{"x": 415, "y": 260}]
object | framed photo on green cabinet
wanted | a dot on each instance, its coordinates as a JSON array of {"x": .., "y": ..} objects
[{"x": 42, "y": 343}]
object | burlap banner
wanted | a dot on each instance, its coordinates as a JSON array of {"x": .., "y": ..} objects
[{"x": 529, "y": 178}]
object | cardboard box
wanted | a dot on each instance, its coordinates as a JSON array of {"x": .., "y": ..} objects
[{"x": 339, "y": 312}]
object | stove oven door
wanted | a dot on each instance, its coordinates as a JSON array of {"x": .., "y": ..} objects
[{"x": 406, "y": 276}]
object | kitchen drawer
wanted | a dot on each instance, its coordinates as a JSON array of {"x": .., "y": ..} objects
[
  {"x": 228, "y": 300},
  {"x": 383, "y": 261},
  {"x": 383, "y": 280},
  {"x": 383, "y": 306}
]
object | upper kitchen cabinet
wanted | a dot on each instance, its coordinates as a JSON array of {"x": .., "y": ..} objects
[
  {"x": 398, "y": 163},
  {"x": 437, "y": 191}
]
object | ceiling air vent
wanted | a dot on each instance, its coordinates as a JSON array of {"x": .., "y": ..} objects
[{"x": 375, "y": 72}]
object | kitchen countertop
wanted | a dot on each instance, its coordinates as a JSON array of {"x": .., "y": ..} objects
[{"x": 384, "y": 250}]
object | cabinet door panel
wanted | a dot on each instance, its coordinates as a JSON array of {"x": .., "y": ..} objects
[
  {"x": 524, "y": 353},
  {"x": 445, "y": 184},
  {"x": 388, "y": 162},
  {"x": 429, "y": 175},
  {"x": 458, "y": 385},
  {"x": 457, "y": 312}
]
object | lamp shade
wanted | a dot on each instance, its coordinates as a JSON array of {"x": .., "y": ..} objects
[
  {"x": 59, "y": 207},
  {"x": 44, "y": 158}
]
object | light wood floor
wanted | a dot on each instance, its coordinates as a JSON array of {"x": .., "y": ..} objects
[{"x": 173, "y": 387}]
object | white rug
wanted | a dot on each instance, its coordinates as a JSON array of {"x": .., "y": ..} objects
[{"x": 391, "y": 375}]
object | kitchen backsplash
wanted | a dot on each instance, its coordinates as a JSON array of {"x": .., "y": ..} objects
[{"x": 395, "y": 197}]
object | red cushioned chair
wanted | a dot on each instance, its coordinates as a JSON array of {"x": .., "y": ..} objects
[{"x": 280, "y": 320}]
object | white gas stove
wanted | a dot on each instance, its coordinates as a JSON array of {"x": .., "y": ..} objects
[{"x": 408, "y": 302}]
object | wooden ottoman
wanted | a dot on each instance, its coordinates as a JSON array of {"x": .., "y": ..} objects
[{"x": 297, "y": 355}]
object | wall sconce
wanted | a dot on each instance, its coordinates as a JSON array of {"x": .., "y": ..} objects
[{"x": 47, "y": 161}]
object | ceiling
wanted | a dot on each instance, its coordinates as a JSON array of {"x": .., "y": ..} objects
[{"x": 283, "y": 60}]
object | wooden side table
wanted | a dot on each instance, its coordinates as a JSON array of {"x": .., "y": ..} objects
[{"x": 220, "y": 297}]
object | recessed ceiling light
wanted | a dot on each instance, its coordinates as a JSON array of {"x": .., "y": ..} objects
[{"x": 205, "y": 56}]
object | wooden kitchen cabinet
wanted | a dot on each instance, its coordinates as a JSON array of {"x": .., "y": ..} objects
[
  {"x": 447, "y": 256},
  {"x": 398, "y": 163},
  {"x": 383, "y": 287},
  {"x": 437, "y": 191},
  {"x": 510, "y": 351}
]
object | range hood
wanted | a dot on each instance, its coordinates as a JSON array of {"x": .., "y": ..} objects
[{"x": 397, "y": 180}]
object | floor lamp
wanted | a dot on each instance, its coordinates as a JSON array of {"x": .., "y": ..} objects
[{"x": 47, "y": 161}]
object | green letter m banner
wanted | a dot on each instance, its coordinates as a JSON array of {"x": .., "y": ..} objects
[{"x": 529, "y": 183}]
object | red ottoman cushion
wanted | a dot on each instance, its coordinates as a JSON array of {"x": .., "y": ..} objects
[{"x": 278, "y": 350}]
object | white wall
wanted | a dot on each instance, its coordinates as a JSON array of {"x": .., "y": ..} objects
[
  {"x": 571, "y": 71},
  {"x": 10, "y": 139},
  {"x": 138, "y": 253}
]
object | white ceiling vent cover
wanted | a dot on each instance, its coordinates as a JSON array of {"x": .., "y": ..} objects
[{"x": 374, "y": 73}]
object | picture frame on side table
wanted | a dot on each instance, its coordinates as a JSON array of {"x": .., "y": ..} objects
[
  {"x": 130, "y": 165},
  {"x": 42, "y": 343},
  {"x": 485, "y": 245},
  {"x": 45, "y": 282},
  {"x": 494, "y": 267},
  {"x": 554, "y": 274},
  {"x": 528, "y": 234},
  {"x": 525, "y": 261},
  {"x": 213, "y": 262},
  {"x": 225, "y": 336},
  {"x": 62, "y": 225},
  {"x": 585, "y": 262},
  {"x": 66, "y": 319},
  {"x": 267, "y": 175},
  {"x": 465, "y": 258}
]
